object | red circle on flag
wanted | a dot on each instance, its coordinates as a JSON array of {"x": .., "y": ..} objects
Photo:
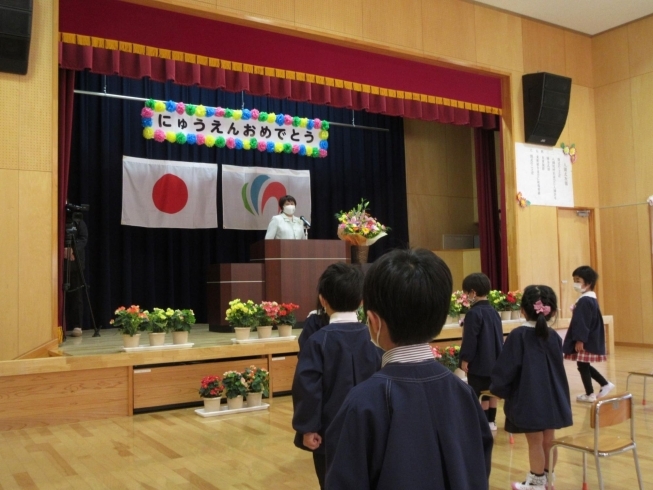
[{"x": 170, "y": 194}]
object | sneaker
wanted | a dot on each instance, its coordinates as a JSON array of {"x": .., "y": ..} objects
[
  {"x": 605, "y": 390},
  {"x": 586, "y": 398},
  {"x": 532, "y": 483},
  {"x": 77, "y": 332},
  {"x": 493, "y": 426}
]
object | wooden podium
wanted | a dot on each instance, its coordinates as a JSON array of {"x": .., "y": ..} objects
[{"x": 287, "y": 270}]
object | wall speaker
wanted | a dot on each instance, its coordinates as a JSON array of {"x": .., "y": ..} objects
[
  {"x": 15, "y": 34},
  {"x": 546, "y": 105}
]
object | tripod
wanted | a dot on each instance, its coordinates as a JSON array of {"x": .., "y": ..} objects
[{"x": 72, "y": 243}]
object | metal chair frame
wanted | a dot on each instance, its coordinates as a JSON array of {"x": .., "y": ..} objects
[{"x": 643, "y": 375}]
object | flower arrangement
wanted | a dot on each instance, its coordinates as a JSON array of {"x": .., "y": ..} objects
[
  {"x": 257, "y": 380},
  {"x": 181, "y": 320},
  {"x": 234, "y": 384},
  {"x": 268, "y": 313},
  {"x": 357, "y": 227},
  {"x": 129, "y": 320},
  {"x": 211, "y": 387},
  {"x": 159, "y": 320},
  {"x": 286, "y": 313},
  {"x": 448, "y": 356},
  {"x": 496, "y": 299},
  {"x": 241, "y": 314},
  {"x": 512, "y": 301},
  {"x": 459, "y": 303}
]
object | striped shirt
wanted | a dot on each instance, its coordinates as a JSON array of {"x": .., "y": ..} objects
[{"x": 408, "y": 353}]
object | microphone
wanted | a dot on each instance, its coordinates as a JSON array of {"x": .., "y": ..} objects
[{"x": 306, "y": 223}]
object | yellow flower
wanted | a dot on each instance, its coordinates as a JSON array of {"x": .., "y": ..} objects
[
  {"x": 229, "y": 311},
  {"x": 170, "y": 312}
]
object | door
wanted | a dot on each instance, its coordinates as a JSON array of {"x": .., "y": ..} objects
[{"x": 575, "y": 248}]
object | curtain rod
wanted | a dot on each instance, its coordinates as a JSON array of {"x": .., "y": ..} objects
[{"x": 141, "y": 99}]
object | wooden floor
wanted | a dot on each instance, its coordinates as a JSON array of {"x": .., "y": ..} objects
[{"x": 178, "y": 449}]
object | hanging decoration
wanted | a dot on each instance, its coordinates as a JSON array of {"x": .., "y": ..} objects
[
  {"x": 236, "y": 129},
  {"x": 523, "y": 202},
  {"x": 569, "y": 150}
]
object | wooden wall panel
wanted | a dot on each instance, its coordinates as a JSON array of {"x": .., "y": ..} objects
[
  {"x": 9, "y": 94},
  {"x": 544, "y": 48},
  {"x": 278, "y": 9},
  {"x": 34, "y": 260},
  {"x": 448, "y": 29},
  {"x": 425, "y": 144},
  {"x": 578, "y": 59},
  {"x": 582, "y": 131},
  {"x": 517, "y": 110},
  {"x": 498, "y": 39},
  {"x": 393, "y": 22},
  {"x": 344, "y": 17},
  {"x": 645, "y": 284},
  {"x": 642, "y": 121},
  {"x": 9, "y": 246},
  {"x": 640, "y": 47},
  {"x": 610, "y": 56},
  {"x": 424, "y": 228},
  {"x": 459, "y": 150},
  {"x": 614, "y": 144}
]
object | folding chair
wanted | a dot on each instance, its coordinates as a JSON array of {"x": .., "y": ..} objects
[
  {"x": 605, "y": 412},
  {"x": 511, "y": 439},
  {"x": 645, "y": 376}
]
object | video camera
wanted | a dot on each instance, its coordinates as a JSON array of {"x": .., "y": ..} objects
[{"x": 74, "y": 216}]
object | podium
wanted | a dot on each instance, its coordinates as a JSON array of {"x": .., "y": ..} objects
[{"x": 285, "y": 271}]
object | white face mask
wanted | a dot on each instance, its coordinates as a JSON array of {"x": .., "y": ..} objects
[
  {"x": 378, "y": 334},
  {"x": 289, "y": 210},
  {"x": 578, "y": 288}
]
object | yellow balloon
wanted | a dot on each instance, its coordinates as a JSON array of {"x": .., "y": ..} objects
[
  {"x": 278, "y": 147},
  {"x": 238, "y": 115},
  {"x": 148, "y": 133},
  {"x": 171, "y": 137},
  {"x": 271, "y": 117},
  {"x": 159, "y": 106}
]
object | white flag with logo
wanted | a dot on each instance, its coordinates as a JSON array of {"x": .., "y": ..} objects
[
  {"x": 167, "y": 194},
  {"x": 250, "y": 195}
]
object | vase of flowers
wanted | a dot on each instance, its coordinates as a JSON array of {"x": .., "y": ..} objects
[
  {"x": 243, "y": 317},
  {"x": 180, "y": 324},
  {"x": 130, "y": 323},
  {"x": 158, "y": 324},
  {"x": 358, "y": 228},
  {"x": 211, "y": 390},
  {"x": 258, "y": 385},
  {"x": 497, "y": 300},
  {"x": 268, "y": 317},
  {"x": 462, "y": 303},
  {"x": 515, "y": 302},
  {"x": 287, "y": 318},
  {"x": 235, "y": 388}
]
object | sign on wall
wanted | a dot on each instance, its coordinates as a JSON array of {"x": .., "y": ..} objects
[{"x": 544, "y": 175}]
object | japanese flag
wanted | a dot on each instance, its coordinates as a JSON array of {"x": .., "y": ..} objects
[{"x": 165, "y": 194}]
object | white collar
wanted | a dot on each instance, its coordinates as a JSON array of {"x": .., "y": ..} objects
[
  {"x": 408, "y": 353},
  {"x": 287, "y": 218},
  {"x": 588, "y": 294},
  {"x": 343, "y": 317},
  {"x": 528, "y": 324}
]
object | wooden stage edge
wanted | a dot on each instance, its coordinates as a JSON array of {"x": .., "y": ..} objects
[{"x": 90, "y": 378}]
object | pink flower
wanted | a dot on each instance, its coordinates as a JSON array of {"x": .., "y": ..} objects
[
  {"x": 295, "y": 149},
  {"x": 200, "y": 139},
  {"x": 231, "y": 143},
  {"x": 219, "y": 111},
  {"x": 287, "y": 120},
  {"x": 181, "y": 108},
  {"x": 147, "y": 112},
  {"x": 159, "y": 135},
  {"x": 317, "y": 124},
  {"x": 262, "y": 145},
  {"x": 323, "y": 153},
  {"x": 255, "y": 114}
]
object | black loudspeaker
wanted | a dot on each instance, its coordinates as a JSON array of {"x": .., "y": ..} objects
[
  {"x": 15, "y": 34},
  {"x": 546, "y": 104}
]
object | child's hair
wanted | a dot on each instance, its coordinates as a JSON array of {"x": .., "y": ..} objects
[
  {"x": 477, "y": 281},
  {"x": 587, "y": 274},
  {"x": 341, "y": 285},
  {"x": 540, "y": 305},
  {"x": 411, "y": 291}
]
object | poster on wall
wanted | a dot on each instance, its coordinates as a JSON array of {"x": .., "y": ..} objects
[{"x": 544, "y": 175}]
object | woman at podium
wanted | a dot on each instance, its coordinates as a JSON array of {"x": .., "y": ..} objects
[{"x": 285, "y": 225}]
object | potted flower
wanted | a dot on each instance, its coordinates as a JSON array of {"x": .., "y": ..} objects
[
  {"x": 358, "y": 228},
  {"x": 454, "y": 309},
  {"x": 235, "y": 388},
  {"x": 180, "y": 323},
  {"x": 515, "y": 310},
  {"x": 496, "y": 300},
  {"x": 243, "y": 317},
  {"x": 158, "y": 324},
  {"x": 287, "y": 318},
  {"x": 130, "y": 323},
  {"x": 211, "y": 390},
  {"x": 268, "y": 316},
  {"x": 258, "y": 385},
  {"x": 463, "y": 303},
  {"x": 449, "y": 357}
]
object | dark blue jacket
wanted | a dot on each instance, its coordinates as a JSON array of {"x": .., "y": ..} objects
[
  {"x": 411, "y": 426},
  {"x": 587, "y": 326},
  {"x": 482, "y": 338},
  {"x": 334, "y": 360},
  {"x": 530, "y": 376},
  {"x": 312, "y": 324}
]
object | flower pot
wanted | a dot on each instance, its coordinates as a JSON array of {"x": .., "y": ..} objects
[
  {"x": 158, "y": 338},
  {"x": 131, "y": 340},
  {"x": 212, "y": 404},
  {"x": 254, "y": 399},
  {"x": 180, "y": 337},
  {"x": 242, "y": 333},
  {"x": 461, "y": 317},
  {"x": 359, "y": 254},
  {"x": 450, "y": 320},
  {"x": 461, "y": 374},
  {"x": 235, "y": 403},
  {"x": 264, "y": 332},
  {"x": 285, "y": 330},
  {"x": 505, "y": 315},
  {"x": 515, "y": 314}
]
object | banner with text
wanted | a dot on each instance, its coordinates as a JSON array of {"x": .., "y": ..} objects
[
  {"x": 250, "y": 195},
  {"x": 239, "y": 129},
  {"x": 544, "y": 175}
]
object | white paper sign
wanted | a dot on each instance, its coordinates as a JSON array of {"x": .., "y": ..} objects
[{"x": 544, "y": 175}]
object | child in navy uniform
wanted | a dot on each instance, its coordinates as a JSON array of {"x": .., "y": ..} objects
[
  {"x": 530, "y": 376},
  {"x": 413, "y": 425},
  {"x": 585, "y": 339},
  {"x": 482, "y": 341},
  {"x": 332, "y": 361}
]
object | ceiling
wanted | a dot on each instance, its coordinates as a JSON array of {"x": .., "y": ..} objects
[{"x": 587, "y": 16}]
